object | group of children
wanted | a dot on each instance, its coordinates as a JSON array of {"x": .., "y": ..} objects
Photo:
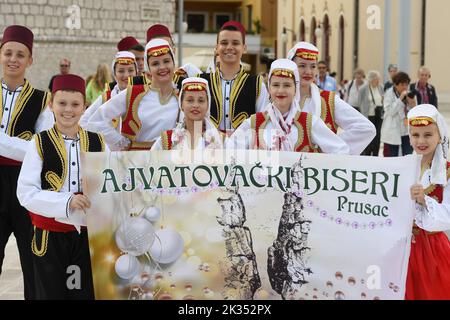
[{"x": 166, "y": 108}]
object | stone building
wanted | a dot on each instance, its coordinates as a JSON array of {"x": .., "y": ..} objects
[
  {"x": 370, "y": 34},
  {"x": 84, "y": 31}
]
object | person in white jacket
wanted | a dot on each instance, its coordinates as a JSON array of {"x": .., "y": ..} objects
[
  {"x": 397, "y": 102},
  {"x": 282, "y": 126},
  {"x": 429, "y": 263},
  {"x": 356, "y": 130}
]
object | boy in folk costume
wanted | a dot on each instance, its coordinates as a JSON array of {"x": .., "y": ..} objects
[
  {"x": 23, "y": 113},
  {"x": 358, "y": 131},
  {"x": 146, "y": 110},
  {"x": 132, "y": 45},
  {"x": 159, "y": 31},
  {"x": 50, "y": 187},
  {"x": 235, "y": 94},
  {"x": 195, "y": 130},
  {"x": 123, "y": 66},
  {"x": 279, "y": 126},
  {"x": 429, "y": 261}
]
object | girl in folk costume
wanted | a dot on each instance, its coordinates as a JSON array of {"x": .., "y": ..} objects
[
  {"x": 282, "y": 126},
  {"x": 358, "y": 131},
  {"x": 50, "y": 187},
  {"x": 195, "y": 103},
  {"x": 132, "y": 45},
  {"x": 429, "y": 261},
  {"x": 23, "y": 112},
  {"x": 123, "y": 66},
  {"x": 160, "y": 31},
  {"x": 146, "y": 110}
]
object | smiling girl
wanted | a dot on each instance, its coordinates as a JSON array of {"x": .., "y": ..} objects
[
  {"x": 429, "y": 262},
  {"x": 195, "y": 131},
  {"x": 278, "y": 127},
  {"x": 146, "y": 110},
  {"x": 356, "y": 130},
  {"x": 123, "y": 66}
]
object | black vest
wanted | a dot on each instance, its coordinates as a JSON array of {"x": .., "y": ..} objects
[
  {"x": 51, "y": 148},
  {"x": 29, "y": 105},
  {"x": 244, "y": 94}
]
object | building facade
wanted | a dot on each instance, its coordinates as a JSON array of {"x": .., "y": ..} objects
[
  {"x": 205, "y": 17},
  {"x": 370, "y": 34},
  {"x": 84, "y": 31}
]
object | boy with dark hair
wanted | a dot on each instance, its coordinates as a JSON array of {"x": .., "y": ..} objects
[
  {"x": 235, "y": 94},
  {"x": 50, "y": 187},
  {"x": 23, "y": 113}
]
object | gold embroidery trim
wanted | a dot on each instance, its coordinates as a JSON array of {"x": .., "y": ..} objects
[
  {"x": 44, "y": 243},
  {"x": 22, "y": 100}
]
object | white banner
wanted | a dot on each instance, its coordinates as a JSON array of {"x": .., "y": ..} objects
[{"x": 306, "y": 226}]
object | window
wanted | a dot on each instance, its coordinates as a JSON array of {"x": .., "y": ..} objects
[
  {"x": 220, "y": 19},
  {"x": 196, "y": 21},
  {"x": 250, "y": 18}
]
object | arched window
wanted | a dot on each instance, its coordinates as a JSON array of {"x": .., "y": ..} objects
[
  {"x": 326, "y": 28},
  {"x": 312, "y": 34},
  {"x": 302, "y": 36}
]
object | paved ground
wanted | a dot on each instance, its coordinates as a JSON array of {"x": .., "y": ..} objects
[{"x": 11, "y": 284}]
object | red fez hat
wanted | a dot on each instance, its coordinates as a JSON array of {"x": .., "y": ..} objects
[
  {"x": 157, "y": 30},
  {"x": 69, "y": 82},
  {"x": 126, "y": 43},
  {"x": 20, "y": 34},
  {"x": 236, "y": 25}
]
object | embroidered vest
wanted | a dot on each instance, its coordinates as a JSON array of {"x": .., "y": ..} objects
[
  {"x": 327, "y": 106},
  {"x": 51, "y": 149},
  {"x": 166, "y": 140},
  {"x": 244, "y": 94},
  {"x": 131, "y": 124},
  {"x": 177, "y": 79},
  {"x": 303, "y": 123},
  {"x": 29, "y": 105},
  {"x": 106, "y": 95},
  {"x": 437, "y": 193}
]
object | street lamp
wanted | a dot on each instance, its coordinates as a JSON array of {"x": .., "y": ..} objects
[
  {"x": 284, "y": 35},
  {"x": 318, "y": 32},
  {"x": 284, "y": 39}
]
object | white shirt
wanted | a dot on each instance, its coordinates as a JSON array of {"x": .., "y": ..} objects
[
  {"x": 94, "y": 107},
  {"x": 376, "y": 101},
  {"x": 155, "y": 118},
  {"x": 436, "y": 216},
  {"x": 352, "y": 95},
  {"x": 393, "y": 127},
  {"x": 13, "y": 147},
  {"x": 51, "y": 204},
  {"x": 227, "y": 85},
  {"x": 357, "y": 130},
  {"x": 244, "y": 138}
]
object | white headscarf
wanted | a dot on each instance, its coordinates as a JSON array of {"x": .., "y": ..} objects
[
  {"x": 211, "y": 138},
  {"x": 282, "y": 123},
  {"x": 308, "y": 51},
  {"x": 157, "y": 47},
  {"x": 439, "y": 164},
  {"x": 304, "y": 50},
  {"x": 123, "y": 57}
]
